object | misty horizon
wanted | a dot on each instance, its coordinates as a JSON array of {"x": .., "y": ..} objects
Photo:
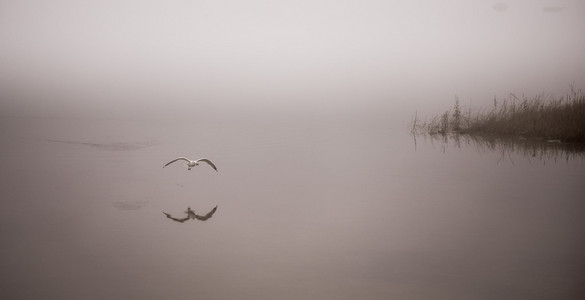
[{"x": 127, "y": 58}]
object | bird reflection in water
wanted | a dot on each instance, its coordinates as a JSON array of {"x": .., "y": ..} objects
[{"x": 191, "y": 215}]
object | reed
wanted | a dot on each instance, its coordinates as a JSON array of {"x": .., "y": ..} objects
[{"x": 552, "y": 119}]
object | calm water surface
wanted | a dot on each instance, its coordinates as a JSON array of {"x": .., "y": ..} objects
[{"x": 308, "y": 208}]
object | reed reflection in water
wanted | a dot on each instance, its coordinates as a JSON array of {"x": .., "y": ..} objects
[{"x": 543, "y": 150}]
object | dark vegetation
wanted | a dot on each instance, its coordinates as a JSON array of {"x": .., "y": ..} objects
[{"x": 554, "y": 120}]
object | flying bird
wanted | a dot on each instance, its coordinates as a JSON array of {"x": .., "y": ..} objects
[{"x": 192, "y": 163}]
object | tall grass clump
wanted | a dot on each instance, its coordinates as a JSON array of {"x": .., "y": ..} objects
[{"x": 553, "y": 119}]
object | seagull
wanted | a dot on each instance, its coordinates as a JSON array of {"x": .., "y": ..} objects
[{"x": 192, "y": 163}]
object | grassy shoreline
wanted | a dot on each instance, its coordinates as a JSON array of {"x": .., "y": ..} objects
[{"x": 559, "y": 120}]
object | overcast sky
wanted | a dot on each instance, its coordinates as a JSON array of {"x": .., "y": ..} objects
[{"x": 123, "y": 55}]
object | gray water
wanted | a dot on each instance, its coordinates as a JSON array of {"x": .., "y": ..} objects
[{"x": 307, "y": 208}]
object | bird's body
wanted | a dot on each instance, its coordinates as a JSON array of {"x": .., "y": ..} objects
[{"x": 192, "y": 163}]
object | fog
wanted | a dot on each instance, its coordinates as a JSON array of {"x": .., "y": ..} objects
[
  {"x": 168, "y": 58},
  {"x": 319, "y": 194}
]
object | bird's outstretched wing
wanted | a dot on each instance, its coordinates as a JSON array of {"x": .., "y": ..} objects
[
  {"x": 207, "y": 216},
  {"x": 208, "y": 162},
  {"x": 174, "y": 160},
  {"x": 176, "y": 219}
]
